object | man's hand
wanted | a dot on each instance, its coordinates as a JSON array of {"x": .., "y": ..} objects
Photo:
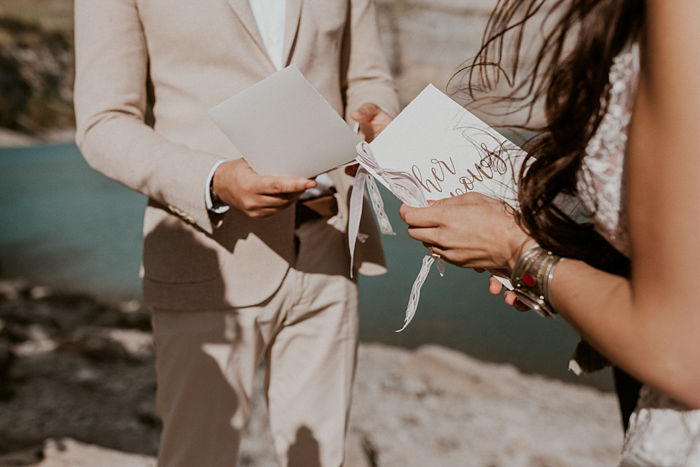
[
  {"x": 239, "y": 186},
  {"x": 372, "y": 120}
]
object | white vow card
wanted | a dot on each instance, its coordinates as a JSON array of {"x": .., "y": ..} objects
[
  {"x": 283, "y": 126},
  {"x": 434, "y": 149},
  {"x": 448, "y": 150}
]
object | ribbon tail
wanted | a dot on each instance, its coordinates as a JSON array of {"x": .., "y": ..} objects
[
  {"x": 415, "y": 291},
  {"x": 378, "y": 207},
  {"x": 358, "y": 191},
  {"x": 405, "y": 187}
]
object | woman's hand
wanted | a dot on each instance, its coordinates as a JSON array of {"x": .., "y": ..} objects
[
  {"x": 470, "y": 231},
  {"x": 495, "y": 288}
]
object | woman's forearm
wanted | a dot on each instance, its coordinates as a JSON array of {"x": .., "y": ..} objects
[{"x": 658, "y": 346}]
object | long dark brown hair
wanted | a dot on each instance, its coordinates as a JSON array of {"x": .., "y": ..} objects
[{"x": 569, "y": 76}]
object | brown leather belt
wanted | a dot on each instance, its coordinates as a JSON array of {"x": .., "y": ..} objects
[{"x": 320, "y": 207}]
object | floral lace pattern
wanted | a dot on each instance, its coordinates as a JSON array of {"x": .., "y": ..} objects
[
  {"x": 600, "y": 182},
  {"x": 662, "y": 432}
]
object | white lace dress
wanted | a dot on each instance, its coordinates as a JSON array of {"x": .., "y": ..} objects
[{"x": 662, "y": 432}]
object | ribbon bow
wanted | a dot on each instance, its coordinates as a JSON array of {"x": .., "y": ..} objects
[{"x": 405, "y": 187}]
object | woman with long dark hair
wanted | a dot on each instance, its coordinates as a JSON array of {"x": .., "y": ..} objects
[{"x": 619, "y": 81}]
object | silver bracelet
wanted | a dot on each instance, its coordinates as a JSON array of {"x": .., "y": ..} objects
[{"x": 531, "y": 278}]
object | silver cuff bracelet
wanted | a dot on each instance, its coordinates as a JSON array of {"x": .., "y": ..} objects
[{"x": 531, "y": 277}]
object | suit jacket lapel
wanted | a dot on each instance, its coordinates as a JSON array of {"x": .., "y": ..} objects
[
  {"x": 291, "y": 26},
  {"x": 242, "y": 9}
]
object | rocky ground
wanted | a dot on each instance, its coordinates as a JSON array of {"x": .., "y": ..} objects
[
  {"x": 77, "y": 387},
  {"x": 36, "y": 83}
]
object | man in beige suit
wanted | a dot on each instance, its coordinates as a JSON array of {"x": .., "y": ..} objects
[{"x": 237, "y": 267}]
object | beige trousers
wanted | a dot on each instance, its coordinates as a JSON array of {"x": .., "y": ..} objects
[{"x": 307, "y": 334}]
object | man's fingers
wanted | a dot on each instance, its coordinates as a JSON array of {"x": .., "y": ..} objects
[
  {"x": 281, "y": 185},
  {"x": 365, "y": 113},
  {"x": 260, "y": 202},
  {"x": 263, "y": 212},
  {"x": 366, "y": 131},
  {"x": 264, "y": 205},
  {"x": 364, "y": 116}
]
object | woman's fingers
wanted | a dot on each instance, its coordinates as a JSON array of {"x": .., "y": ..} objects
[
  {"x": 419, "y": 217},
  {"x": 425, "y": 234},
  {"x": 495, "y": 286},
  {"x": 471, "y": 230},
  {"x": 510, "y": 297},
  {"x": 435, "y": 250},
  {"x": 512, "y": 300}
]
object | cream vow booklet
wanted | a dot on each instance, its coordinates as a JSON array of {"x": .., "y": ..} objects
[
  {"x": 434, "y": 149},
  {"x": 283, "y": 126},
  {"x": 447, "y": 150}
]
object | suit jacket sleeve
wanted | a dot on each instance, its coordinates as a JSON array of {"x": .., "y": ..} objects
[
  {"x": 110, "y": 104},
  {"x": 366, "y": 72}
]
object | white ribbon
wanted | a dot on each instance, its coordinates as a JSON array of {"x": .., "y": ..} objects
[
  {"x": 378, "y": 206},
  {"x": 358, "y": 191},
  {"x": 406, "y": 189}
]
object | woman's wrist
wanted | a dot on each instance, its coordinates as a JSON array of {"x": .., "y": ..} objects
[
  {"x": 520, "y": 247},
  {"x": 532, "y": 276}
]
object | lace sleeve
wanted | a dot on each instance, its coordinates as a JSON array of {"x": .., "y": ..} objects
[{"x": 600, "y": 182}]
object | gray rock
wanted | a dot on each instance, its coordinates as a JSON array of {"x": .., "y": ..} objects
[
  {"x": 37, "y": 77},
  {"x": 71, "y": 453}
]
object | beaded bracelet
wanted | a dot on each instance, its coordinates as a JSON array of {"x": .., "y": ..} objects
[{"x": 531, "y": 277}]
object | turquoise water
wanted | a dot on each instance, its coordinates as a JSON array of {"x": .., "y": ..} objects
[{"x": 63, "y": 224}]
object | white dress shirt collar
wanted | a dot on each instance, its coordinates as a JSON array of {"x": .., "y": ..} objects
[{"x": 269, "y": 16}]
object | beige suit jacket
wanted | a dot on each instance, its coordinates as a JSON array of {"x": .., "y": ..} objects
[{"x": 187, "y": 56}]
